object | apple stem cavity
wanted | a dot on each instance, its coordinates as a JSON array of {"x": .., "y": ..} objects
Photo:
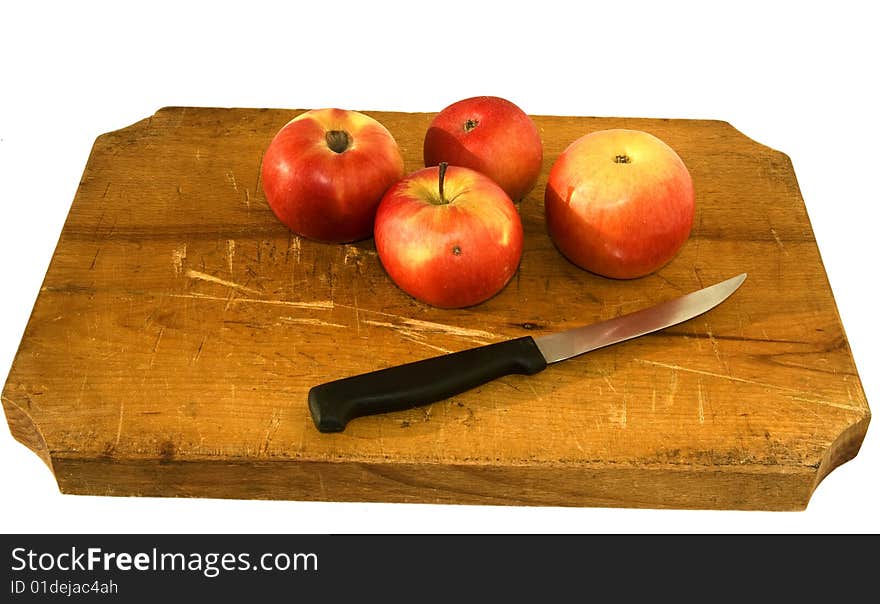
[
  {"x": 442, "y": 177},
  {"x": 337, "y": 140},
  {"x": 471, "y": 124}
]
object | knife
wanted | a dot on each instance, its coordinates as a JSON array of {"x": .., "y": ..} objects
[{"x": 334, "y": 404}]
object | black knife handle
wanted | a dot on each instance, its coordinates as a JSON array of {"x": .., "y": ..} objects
[{"x": 335, "y": 403}]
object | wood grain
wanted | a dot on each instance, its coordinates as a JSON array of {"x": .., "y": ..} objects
[{"x": 180, "y": 326}]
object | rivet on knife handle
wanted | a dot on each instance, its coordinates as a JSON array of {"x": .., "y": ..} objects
[{"x": 335, "y": 403}]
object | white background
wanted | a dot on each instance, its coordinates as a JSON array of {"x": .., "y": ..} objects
[{"x": 793, "y": 76}]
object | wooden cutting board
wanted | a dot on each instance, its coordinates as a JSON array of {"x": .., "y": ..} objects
[{"x": 180, "y": 326}]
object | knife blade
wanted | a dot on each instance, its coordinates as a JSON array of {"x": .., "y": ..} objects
[{"x": 333, "y": 404}]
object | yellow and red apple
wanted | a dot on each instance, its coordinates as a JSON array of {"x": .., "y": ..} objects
[
  {"x": 449, "y": 237},
  {"x": 490, "y": 135},
  {"x": 325, "y": 172},
  {"x": 619, "y": 203}
]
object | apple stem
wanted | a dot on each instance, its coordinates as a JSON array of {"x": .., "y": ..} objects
[{"x": 443, "y": 166}]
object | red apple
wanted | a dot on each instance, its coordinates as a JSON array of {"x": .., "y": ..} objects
[
  {"x": 326, "y": 170},
  {"x": 449, "y": 237},
  {"x": 490, "y": 135},
  {"x": 619, "y": 203}
]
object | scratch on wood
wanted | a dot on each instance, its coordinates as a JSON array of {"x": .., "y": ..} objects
[
  {"x": 382, "y": 324},
  {"x": 178, "y": 255},
  {"x": 230, "y": 178},
  {"x": 317, "y": 305},
  {"x": 423, "y": 343},
  {"x": 617, "y": 414},
  {"x": 229, "y": 299},
  {"x": 451, "y": 330},
  {"x": 826, "y": 403},
  {"x": 230, "y": 253},
  {"x": 274, "y": 422},
  {"x": 753, "y": 382},
  {"x": 709, "y": 373},
  {"x": 715, "y": 348},
  {"x": 95, "y": 259},
  {"x": 156, "y": 345},
  {"x": 112, "y": 228},
  {"x": 673, "y": 387},
  {"x": 119, "y": 424},
  {"x": 610, "y": 385},
  {"x": 407, "y": 334},
  {"x": 303, "y": 321},
  {"x": 193, "y": 274},
  {"x": 535, "y": 392},
  {"x": 700, "y": 414},
  {"x": 475, "y": 335},
  {"x": 199, "y": 350},
  {"x": 357, "y": 312},
  {"x": 295, "y": 246},
  {"x": 100, "y": 219},
  {"x": 667, "y": 281},
  {"x": 779, "y": 241}
]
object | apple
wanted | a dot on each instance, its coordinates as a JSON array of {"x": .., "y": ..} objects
[
  {"x": 448, "y": 236},
  {"x": 325, "y": 172},
  {"x": 619, "y": 203},
  {"x": 490, "y": 135}
]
